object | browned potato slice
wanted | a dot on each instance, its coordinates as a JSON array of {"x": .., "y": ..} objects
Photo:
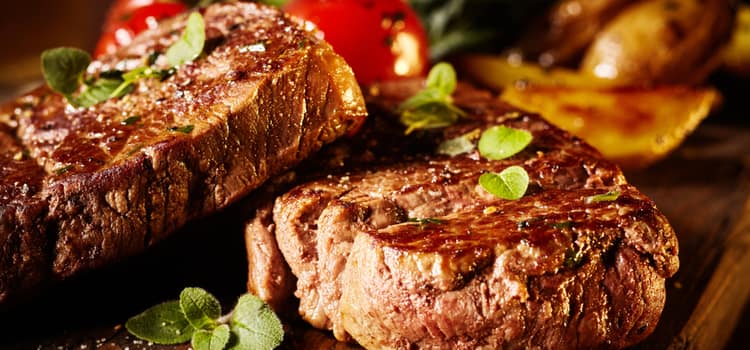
[
  {"x": 737, "y": 53},
  {"x": 498, "y": 72},
  {"x": 631, "y": 126},
  {"x": 564, "y": 31},
  {"x": 662, "y": 41}
]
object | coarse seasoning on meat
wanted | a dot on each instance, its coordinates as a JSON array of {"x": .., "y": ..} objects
[
  {"x": 397, "y": 247},
  {"x": 83, "y": 187}
]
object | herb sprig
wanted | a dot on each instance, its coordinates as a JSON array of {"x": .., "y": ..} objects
[
  {"x": 433, "y": 106},
  {"x": 196, "y": 317},
  {"x": 64, "y": 68}
]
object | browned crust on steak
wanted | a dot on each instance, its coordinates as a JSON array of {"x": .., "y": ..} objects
[
  {"x": 549, "y": 270},
  {"x": 100, "y": 190}
]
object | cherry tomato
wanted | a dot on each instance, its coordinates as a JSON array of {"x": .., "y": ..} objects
[
  {"x": 127, "y": 18},
  {"x": 381, "y": 40}
]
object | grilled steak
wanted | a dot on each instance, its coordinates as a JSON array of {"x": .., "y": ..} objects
[
  {"x": 81, "y": 187},
  {"x": 401, "y": 248}
]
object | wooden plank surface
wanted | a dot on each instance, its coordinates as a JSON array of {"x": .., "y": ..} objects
[{"x": 703, "y": 189}]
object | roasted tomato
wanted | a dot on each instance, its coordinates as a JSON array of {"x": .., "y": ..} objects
[
  {"x": 127, "y": 18},
  {"x": 381, "y": 40}
]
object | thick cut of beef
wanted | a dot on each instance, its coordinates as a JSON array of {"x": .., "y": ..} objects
[
  {"x": 83, "y": 187},
  {"x": 402, "y": 248}
]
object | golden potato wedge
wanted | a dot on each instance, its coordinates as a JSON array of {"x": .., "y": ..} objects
[
  {"x": 566, "y": 29},
  {"x": 497, "y": 72},
  {"x": 662, "y": 42},
  {"x": 631, "y": 126},
  {"x": 737, "y": 53}
]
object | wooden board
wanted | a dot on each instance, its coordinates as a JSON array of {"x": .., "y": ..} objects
[{"x": 703, "y": 188}]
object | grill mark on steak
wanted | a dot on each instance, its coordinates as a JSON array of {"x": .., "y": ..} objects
[
  {"x": 97, "y": 190},
  {"x": 548, "y": 270}
]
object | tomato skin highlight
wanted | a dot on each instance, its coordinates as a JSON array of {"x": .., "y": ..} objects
[
  {"x": 127, "y": 18},
  {"x": 381, "y": 40}
]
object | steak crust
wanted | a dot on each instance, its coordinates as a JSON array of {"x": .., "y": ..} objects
[
  {"x": 80, "y": 188},
  {"x": 401, "y": 248}
]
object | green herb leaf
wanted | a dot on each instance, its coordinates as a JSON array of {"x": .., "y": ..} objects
[
  {"x": 433, "y": 106},
  {"x": 63, "y": 68},
  {"x": 63, "y": 170},
  {"x": 100, "y": 91},
  {"x": 255, "y": 325},
  {"x": 216, "y": 339},
  {"x": 190, "y": 45},
  {"x": 200, "y": 308},
  {"x": 500, "y": 142},
  {"x": 458, "y": 145},
  {"x": 131, "y": 120},
  {"x": 604, "y": 197},
  {"x": 442, "y": 77},
  {"x": 573, "y": 257},
  {"x": 510, "y": 183},
  {"x": 183, "y": 129},
  {"x": 425, "y": 221},
  {"x": 162, "y": 324}
]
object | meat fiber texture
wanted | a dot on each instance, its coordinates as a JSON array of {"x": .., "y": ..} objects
[
  {"x": 396, "y": 247},
  {"x": 80, "y": 188}
]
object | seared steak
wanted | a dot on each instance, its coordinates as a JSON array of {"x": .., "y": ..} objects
[
  {"x": 401, "y": 248},
  {"x": 81, "y": 187}
]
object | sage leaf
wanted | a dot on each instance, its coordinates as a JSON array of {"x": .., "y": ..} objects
[
  {"x": 215, "y": 339},
  {"x": 201, "y": 308},
  {"x": 442, "y": 77},
  {"x": 191, "y": 42},
  {"x": 256, "y": 326},
  {"x": 63, "y": 68},
  {"x": 162, "y": 324},
  {"x": 500, "y": 142},
  {"x": 510, "y": 183}
]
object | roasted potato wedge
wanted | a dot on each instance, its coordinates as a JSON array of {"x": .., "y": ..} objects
[
  {"x": 498, "y": 72},
  {"x": 631, "y": 126},
  {"x": 566, "y": 29},
  {"x": 662, "y": 42},
  {"x": 737, "y": 53}
]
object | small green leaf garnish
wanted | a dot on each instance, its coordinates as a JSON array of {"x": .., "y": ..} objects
[
  {"x": 100, "y": 91},
  {"x": 211, "y": 340},
  {"x": 63, "y": 68},
  {"x": 573, "y": 258},
  {"x": 201, "y": 308},
  {"x": 425, "y": 221},
  {"x": 561, "y": 225},
  {"x": 131, "y": 120},
  {"x": 433, "y": 106},
  {"x": 162, "y": 324},
  {"x": 63, "y": 170},
  {"x": 197, "y": 318},
  {"x": 604, "y": 197},
  {"x": 500, "y": 142},
  {"x": 183, "y": 129},
  {"x": 191, "y": 42},
  {"x": 255, "y": 325},
  {"x": 458, "y": 145},
  {"x": 510, "y": 183}
]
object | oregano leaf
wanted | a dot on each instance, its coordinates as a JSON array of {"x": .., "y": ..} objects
[
  {"x": 442, "y": 77},
  {"x": 162, "y": 324},
  {"x": 191, "y": 42},
  {"x": 256, "y": 326},
  {"x": 500, "y": 142},
  {"x": 604, "y": 197},
  {"x": 215, "y": 339},
  {"x": 201, "y": 308},
  {"x": 510, "y": 183},
  {"x": 63, "y": 68}
]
